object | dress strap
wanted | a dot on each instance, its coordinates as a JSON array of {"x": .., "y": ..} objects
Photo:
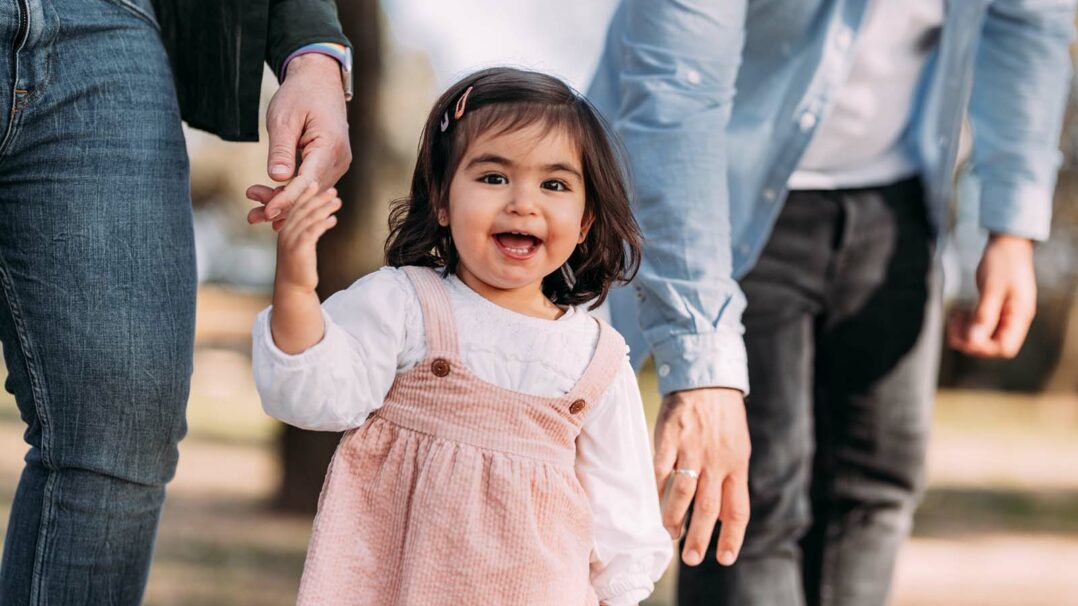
[
  {"x": 437, "y": 314},
  {"x": 604, "y": 366}
]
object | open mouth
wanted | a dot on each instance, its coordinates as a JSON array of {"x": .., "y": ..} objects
[{"x": 517, "y": 244}]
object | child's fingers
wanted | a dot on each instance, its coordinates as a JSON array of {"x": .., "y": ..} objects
[
  {"x": 313, "y": 215},
  {"x": 281, "y": 211},
  {"x": 300, "y": 213},
  {"x": 294, "y": 193},
  {"x": 315, "y": 231}
]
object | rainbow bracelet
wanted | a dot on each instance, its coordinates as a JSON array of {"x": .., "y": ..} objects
[{"x": 340, "y": 52}]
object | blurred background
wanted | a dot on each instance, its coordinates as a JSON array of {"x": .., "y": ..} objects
[{"x": 999, "y": 524}]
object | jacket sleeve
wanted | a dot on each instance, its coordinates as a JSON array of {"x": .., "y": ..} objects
[
  {"x": 1022, "y": 74},
  {"x": 671, "y": 66},
  {"x": 296, "y": 23}
]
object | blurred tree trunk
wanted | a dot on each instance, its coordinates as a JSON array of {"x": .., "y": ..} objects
[{"x": 342, "y": 256}]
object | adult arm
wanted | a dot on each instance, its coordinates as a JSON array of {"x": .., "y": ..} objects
[
  {"x": 1022, "y": 74},
  {"x": 676, "y": 82}
]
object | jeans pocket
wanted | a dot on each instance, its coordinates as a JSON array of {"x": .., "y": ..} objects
[{"x": 140, "y": 8}]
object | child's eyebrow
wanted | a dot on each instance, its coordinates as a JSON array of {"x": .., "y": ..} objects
[{"x": 496, "y": 159}]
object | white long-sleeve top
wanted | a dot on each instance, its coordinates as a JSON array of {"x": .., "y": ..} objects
[{"x": 374, "y": 330}]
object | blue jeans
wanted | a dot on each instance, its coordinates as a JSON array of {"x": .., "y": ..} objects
[
  {"x": 97, "y": 289},
  {"x": 842, "y": 331}
]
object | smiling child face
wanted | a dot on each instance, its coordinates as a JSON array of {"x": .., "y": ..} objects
[{"x": 516, "y": 208}]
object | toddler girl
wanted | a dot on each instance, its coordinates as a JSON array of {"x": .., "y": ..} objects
[{"x": 496, "y": 450}]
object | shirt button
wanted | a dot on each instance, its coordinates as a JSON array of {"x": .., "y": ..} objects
[
  {"x": 807, "y": 121},
  {"x": 440, "y": 367},
  {"x": 693, "y": 76},
  {"x": 576, "y": 406},
  {"x": 843, "y": 39},
  {"x": 664, "y": 370},
  {"x": 769, "y": 195},
  {"x": 744, "y": 249}
]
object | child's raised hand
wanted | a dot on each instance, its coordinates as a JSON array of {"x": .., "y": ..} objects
[{"x": 309, "y": 218}]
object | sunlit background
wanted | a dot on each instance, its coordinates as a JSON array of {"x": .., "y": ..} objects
[{"x": 999, "y": 525}]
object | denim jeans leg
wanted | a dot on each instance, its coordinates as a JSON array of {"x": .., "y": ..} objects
[
  {"x": 785, "y": 294},
  {"x": 877, "y": 354},
  {"x": 97, "y": 288}
]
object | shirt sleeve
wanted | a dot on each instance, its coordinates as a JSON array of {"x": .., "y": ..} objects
[
  {"x": 336, "y": 383},
  {"x": 1022, "y": 75},
  {"x": 667, "y": 81},
  {"x": 632, "y": 549}
]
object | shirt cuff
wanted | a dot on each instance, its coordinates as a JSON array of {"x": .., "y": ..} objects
[
  {"x": 716, "y": 359},
  {"x": 263, "y": 337},
  {"x": 337, "y": 51},
  {"x": 1016, "y": 209},
  {"x": 631, "y": 598}
]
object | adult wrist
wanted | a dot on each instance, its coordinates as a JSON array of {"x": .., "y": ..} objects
[{"x": 322, "y": 55}]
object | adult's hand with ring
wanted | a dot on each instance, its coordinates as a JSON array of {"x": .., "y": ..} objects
[{"x": 704, "y": 431}]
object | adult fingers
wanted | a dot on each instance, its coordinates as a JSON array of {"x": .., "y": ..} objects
[
  {"x": 985, "y": 317},
  {"x": 705, "y": 512},
  {"x": 681, "y": 488},
  {"x": 957, "y": 327},
  {"x": 1014, "y": 320},
  {"x": 262, "y": 193},
  {"x": 284, "y": 129},
  {"x": 735, "y": 517}
]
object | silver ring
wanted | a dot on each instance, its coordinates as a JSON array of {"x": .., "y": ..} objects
[{"x": 692, "y": 473}]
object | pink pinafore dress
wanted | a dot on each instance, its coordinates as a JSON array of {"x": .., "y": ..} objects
[{"x": 458, "y": 491}]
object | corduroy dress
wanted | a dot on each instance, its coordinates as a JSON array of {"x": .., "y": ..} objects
[{"x": 458, "y": 491}]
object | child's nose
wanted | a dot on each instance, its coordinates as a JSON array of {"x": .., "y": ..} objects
[{"x": 522, "y": 202}]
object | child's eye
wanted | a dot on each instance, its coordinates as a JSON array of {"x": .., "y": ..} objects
[
  {"x": 493, "y": 179},
  {"x": 555, "y": 185}
]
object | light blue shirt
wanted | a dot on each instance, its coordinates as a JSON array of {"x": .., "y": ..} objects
[{"x": 717, "y": 100}]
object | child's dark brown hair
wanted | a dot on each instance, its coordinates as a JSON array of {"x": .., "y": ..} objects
[{"x": 508, "y": 100}]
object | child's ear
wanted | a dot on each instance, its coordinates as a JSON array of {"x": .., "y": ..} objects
[
  {"x": 585, "y": 226},
  {"x": 443, "y": 217}
]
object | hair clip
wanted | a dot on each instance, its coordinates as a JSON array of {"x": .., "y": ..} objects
[{"x": 461, "y": 103}]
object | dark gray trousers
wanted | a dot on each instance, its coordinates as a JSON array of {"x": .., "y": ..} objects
[{"x": 842, "y": 329}]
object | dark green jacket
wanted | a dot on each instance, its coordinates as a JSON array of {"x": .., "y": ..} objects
[{"x": 217, "y": 48}]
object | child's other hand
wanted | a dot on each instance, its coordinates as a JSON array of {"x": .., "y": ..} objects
[{"x": 310, "y": 217}]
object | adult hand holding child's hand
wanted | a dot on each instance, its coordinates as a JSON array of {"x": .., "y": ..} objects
[
  {"x": 306, "y": 115},
  {"x": 702, "y": 448}
]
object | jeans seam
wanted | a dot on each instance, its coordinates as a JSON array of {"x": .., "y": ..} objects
[
  {"x": 27, "y": 351},
  {"x": 39, "y": 576},
  {"x": 39, "y": 396}
]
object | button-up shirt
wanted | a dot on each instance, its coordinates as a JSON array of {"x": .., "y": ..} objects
[{"x": 717, "y": 101}]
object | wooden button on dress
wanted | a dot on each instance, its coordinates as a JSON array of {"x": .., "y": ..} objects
[
  {"x": 440, "y": 367},
  {"x": 576, "y": 406}
]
